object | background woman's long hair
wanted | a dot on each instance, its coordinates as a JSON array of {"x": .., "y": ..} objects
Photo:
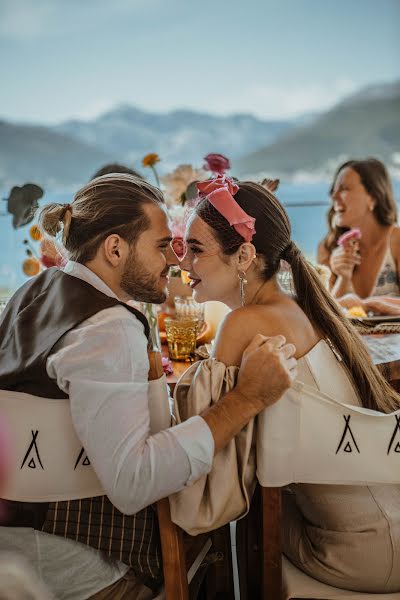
[
  {"x": 376, "y": 181},
  {"x": 272, "y": 241}
]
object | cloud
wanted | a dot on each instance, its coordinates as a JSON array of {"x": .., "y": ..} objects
[
  {"x": 24, "y": 20},
  {"x": 280, "y": 102}
]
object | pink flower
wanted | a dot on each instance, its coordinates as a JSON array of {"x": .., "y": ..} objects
[
  {"x": 179, "y": 247},
  {"x": 349, "y": 236},
  {"x": 217, "y": 163},
  {"x": 167, "y": 365}
]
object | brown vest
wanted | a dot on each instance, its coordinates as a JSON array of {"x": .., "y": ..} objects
[{"x": 35, "y": 319}]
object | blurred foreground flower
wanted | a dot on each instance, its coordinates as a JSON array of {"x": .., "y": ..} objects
[{"x": 217, "y": 163}]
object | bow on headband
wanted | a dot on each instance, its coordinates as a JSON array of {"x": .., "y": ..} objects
[{"x": 219, "y": 192}]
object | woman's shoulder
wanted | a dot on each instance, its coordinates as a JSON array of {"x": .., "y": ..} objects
[{"x": 241, "y": 325}]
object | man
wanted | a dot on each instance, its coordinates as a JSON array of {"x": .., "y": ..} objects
[{"x": 70, "y": 334}]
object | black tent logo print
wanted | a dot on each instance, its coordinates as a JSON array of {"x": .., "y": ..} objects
[
  {"x": 395, "y": 439},
  {"x": 32, "y": 453},
  {"x": 347, "y": 440},
  {"x": 82, "y": 459}
]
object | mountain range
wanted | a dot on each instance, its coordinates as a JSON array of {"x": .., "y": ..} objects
[
  {"x": 366, "y": 123},
  {"x": 67, "y": 154}
]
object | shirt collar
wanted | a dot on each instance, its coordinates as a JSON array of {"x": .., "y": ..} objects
[{"x": 81, "y": 272}]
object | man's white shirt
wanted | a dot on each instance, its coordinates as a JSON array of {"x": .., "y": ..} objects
[{"x": 102, "y": 365}]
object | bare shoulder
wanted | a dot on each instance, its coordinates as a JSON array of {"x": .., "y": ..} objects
[{"x": 241, "y": 325}]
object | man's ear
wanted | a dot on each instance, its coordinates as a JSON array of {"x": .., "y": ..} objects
[
  {"x": 246, "y": 255},
  {"x": 114, "y": 249}
]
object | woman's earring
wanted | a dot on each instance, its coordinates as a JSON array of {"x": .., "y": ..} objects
[{"x": 242, "y": 283}]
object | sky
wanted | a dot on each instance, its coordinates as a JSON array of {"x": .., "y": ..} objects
[{"x": 276, "y": 59}]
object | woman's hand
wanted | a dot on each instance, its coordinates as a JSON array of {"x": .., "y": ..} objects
[
  {"x": 343, "y": 261},
  {"x": 382, "y": 306}
]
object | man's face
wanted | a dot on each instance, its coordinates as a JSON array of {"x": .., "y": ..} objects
[{"x": 145, "y": 273}]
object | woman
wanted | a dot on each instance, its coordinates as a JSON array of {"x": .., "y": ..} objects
[
  {"x": 367, "y": 274},
  {"x": 238, "y": 264}
]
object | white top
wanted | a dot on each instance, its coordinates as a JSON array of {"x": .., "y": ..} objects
[{"x": 102, "y": 364}]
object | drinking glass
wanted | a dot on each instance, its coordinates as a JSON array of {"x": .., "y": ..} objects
[
  {"x": 188, "y": 307},
  {"x": 181, "y": 337}
]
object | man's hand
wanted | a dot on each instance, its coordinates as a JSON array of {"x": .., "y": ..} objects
[{"x": 267, "y": 369}]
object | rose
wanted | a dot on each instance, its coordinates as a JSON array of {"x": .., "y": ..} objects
[
  {"x": 179, "y": 247},
  {"x": 217, "y": 163}
]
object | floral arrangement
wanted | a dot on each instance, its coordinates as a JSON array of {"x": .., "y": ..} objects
[
  {"x": 179, "y": 188},
  {"x": 47, "y": 255}
]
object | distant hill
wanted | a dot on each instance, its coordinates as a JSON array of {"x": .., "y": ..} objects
[
  {"x": 37, "y": 154},
  {"x": 181, "y": 136},
  {"x": 364, "y": 124}
]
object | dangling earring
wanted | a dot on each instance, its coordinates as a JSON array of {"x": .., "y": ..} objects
[{"x": 242, "y": 283}]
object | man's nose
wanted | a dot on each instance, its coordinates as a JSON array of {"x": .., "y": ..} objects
[{"x": 171, "y": 258}]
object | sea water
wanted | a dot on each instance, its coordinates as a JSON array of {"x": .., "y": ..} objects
[{"x": 308, "y": 226}]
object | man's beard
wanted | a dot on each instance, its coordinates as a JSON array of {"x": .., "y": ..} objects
[{"x": 139, "y": 284}]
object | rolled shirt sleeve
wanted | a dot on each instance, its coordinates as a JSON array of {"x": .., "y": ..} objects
[{"x": 103, "y": 366}]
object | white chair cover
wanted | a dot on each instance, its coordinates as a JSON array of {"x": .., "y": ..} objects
[
  {"x": 48, "y": 461},
  {"x": 294, "y": 444},
  {"x": 297, "y": 584}
]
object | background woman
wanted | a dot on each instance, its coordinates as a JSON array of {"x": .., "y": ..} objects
[
  {"x": 367, "y": 272},
  {"x": 341, "y": 535}
]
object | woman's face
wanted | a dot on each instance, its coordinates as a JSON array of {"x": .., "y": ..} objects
[
  {"x": 351, "y": 201},
  {"x": 213, "y": 276}
]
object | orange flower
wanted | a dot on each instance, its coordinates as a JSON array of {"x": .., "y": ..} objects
[
  {"x": 35, "y": 233},
  {"x": 150, "y": 159},
  {"x": 185, "y": 277},
  {"x": 31, "y": 266}
]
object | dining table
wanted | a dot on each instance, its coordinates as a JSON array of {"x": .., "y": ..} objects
[{"x": 383, "y": 348}]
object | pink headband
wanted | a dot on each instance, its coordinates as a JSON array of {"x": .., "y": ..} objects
[{"x": 219, "y": 192}]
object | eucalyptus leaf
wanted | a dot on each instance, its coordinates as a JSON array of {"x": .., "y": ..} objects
[{"x": 23, "y": 202}]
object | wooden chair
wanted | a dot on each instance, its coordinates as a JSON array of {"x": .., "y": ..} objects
[
  {"x": 359, "y": 447},
  {"x": 184, "y": 555}
]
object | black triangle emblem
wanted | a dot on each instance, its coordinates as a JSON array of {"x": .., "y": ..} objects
[
  {"x": 396, "y": 433},
  {"x": 82, "y": 459},
  {"x": 32, "y": 450},
  {"x": 347, "y": 433}
]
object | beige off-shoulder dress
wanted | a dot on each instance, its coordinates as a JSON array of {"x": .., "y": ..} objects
[{"x": 345, "y": 536}]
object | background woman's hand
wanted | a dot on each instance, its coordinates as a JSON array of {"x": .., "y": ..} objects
[
  {"x": 343, "y": 261},
  {"x": 350, "y": 300},
  {"x": 381, "y": 306}
]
